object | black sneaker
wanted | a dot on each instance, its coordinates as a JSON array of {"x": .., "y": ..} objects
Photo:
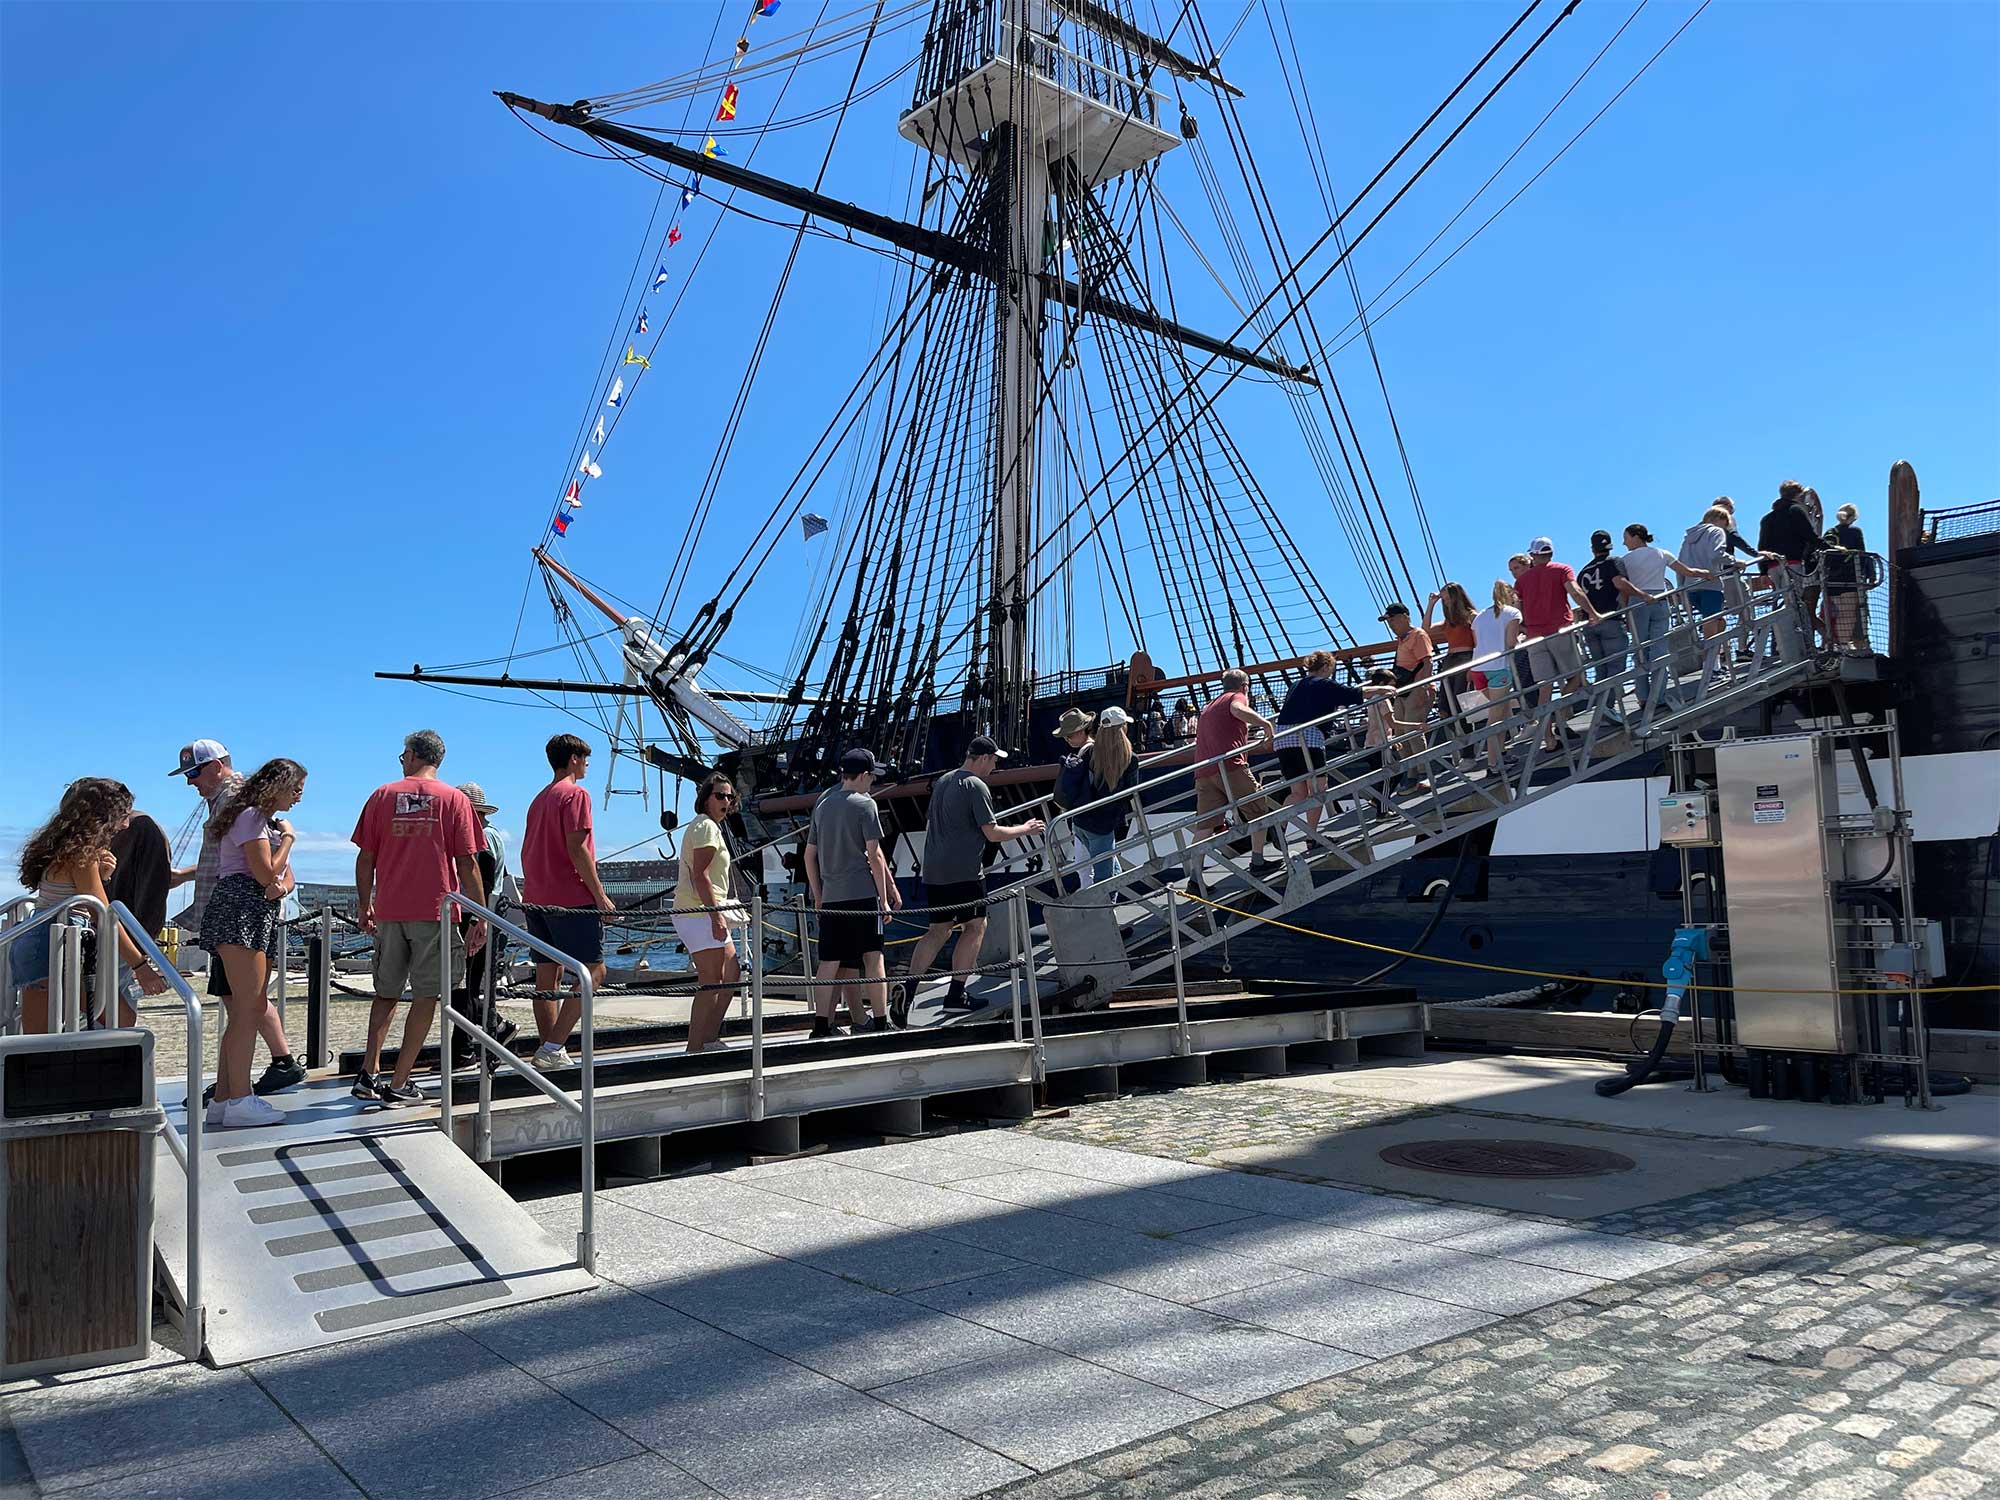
[
  {"x": 957, "y": 999},
  {"x": 364, "y": 1086},
  {"x": 283, "y": 1073},
  {"x": 872, "y": 1024},
  {"x": 823, "y": 1031},
  {"x": 899, "y": 1003},
  {"x": 399, "y": 1098},
  {"x": 208, "y": 1096},
  {"x": 503, "y": 1030}
]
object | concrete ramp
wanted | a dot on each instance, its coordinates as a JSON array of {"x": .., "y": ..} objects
[{"x": 345, "y": 1222}]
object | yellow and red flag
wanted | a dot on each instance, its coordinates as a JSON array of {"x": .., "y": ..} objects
[{"x": 728, "y": 109}]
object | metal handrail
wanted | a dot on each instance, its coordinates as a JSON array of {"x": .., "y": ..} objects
[
  {"x": 584, "y": 1106},
  {"x": 107, "y": 970},
  {"x": 187, "y": 1152}
]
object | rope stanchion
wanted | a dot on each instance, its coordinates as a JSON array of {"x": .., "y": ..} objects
[{"x": 1649, "y": 984}]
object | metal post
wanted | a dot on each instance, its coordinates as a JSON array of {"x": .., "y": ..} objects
[
  {"x": 319, "y": 992},
  {"x": 70, "y": 1017},
  {"x": 284, "y": 976},
  {"x": 1023, "y": 951},
  {"x": 445, "y": 1075},
  {"x": 756, "y": 1007},
  {"x": 1182, "y": 1044},
  {"x": 482, "y": 1143},
  {"x": 1014, "y": 948},
  {"x": 586, "y": 1238}
]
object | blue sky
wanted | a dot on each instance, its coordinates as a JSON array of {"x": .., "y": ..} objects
[{"x": 298, "y": 324}]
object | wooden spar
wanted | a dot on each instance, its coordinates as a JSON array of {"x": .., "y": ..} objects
[
  {"x": 1906, "y": 529},
  {"x": 574, "y": 582},
  {"x": 1137, "y": 691}
]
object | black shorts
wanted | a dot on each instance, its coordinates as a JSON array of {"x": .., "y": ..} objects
[
  {"x": 578, "y": 933},
  {"x": 1301, "y": 760},
  {"x": 961, "y": 901},
  {"x": 849, "y": 931},
  {"x": 218, "y": 976}
]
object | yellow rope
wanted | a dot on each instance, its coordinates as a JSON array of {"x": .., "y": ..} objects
[{"x": 1649, "y": 984}]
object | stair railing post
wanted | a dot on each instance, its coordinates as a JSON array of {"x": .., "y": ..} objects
[
  {"x": 319, "y": 991},
  {"x": 757, "y": 1006},
  {"x": 1016, "y": 947},
  {"x": 1181, "y": 1042},
  {"x": 1022, "y": 950},
  {"x": 445, "y": 1075},
  {"x": 482, "y": 1139}
]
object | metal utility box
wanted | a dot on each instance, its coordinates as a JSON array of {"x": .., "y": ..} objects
[
  {"x": 79, "y": 1128},
  {"x": 1687, "y": 818},
  {"x": 1774, "y": 798}
]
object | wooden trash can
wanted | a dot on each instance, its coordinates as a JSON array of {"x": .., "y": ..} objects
[{"x": 79, "y": 1131}]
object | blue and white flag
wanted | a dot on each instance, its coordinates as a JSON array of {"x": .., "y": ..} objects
[
  {"x": 617, "y": 392},
  {"x": 597, "y": 437},
  {"x": 691, "y": 192},
  {"x": 659, "y": 280},
  {"x": 812, "y": 525},
  {"x": 642, "y": 321}
]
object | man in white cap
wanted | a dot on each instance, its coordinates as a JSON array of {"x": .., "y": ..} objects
[
  {"x": 204, "y": 765},
  {"x": 957, "y": 834},
  {"x": 1546, "y": 588}
]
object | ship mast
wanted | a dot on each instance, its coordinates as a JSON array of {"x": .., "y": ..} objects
[{"x": 1015, "y": 90}]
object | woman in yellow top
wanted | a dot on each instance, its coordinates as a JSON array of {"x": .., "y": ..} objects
[{"x": 706, "y": 934}]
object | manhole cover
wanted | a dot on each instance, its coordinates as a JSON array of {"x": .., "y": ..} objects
[{"x": 1506, "y": 1158}]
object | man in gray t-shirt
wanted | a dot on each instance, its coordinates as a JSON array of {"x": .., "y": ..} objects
[
  {"x": 961, "y": 825},
  {"x": 851, "y": 886}
]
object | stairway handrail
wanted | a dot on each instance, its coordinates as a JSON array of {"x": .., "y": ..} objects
[
  {"x": 107, "y": 973},
  {"x": 187, "y": 1151},
  {"x": 1634, "y": 673},
  {"x": 584, "y": 1106}
]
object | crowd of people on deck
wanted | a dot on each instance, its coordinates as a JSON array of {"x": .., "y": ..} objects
[{"x": 1462, "y": 666}]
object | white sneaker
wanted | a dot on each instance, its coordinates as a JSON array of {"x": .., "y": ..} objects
[
  {"x": 213, "y": 1115},
  {"x": 548, "y": 1059},
  {"x": 239, "y": 1114}
]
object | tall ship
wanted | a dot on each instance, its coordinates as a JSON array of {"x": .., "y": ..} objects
[{"x": 1026, "y": 497}]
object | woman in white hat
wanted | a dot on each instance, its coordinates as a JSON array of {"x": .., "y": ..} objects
[{"x": 1111, "y": 767}]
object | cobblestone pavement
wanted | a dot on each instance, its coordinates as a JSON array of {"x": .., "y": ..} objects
[{"x": 1839, "y": 1339}]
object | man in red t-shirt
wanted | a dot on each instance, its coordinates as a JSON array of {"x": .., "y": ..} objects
[
  {"x": 1224, "y": 730},
  {"x": 1545, "y": 588},
  {"x": 559, "y": 869},
  {"x": 419, "y": 838}
]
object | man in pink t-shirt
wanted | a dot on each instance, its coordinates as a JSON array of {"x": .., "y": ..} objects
[
  {"x": 559, "y": 869},
  {"x": 419, "y": 838},
  {"x": 1545, "y": 588},
  {"x": 1224, "y": 730}
]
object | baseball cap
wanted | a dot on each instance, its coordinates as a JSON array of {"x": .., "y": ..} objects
[
  {"x": 1541, "y": 546},
  {"x": 1112, "y": 717},
  {"x": 984, "y": 744},
  {"x": 860, "y": 759},
  {"x": 197, "y": 755},
  {"x": 1600, "y": 536},
  {"x": 1393, "y": 609},
  {"x": 476, "y": 795}
]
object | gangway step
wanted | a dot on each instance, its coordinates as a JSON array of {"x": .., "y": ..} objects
[{"x": 341, "y": 1223}]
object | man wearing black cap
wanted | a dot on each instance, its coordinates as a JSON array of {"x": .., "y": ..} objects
[
  {"x": 851, "y": 886},
  {"x": 957, "y": 835},
  {"x": 1605, "y": 585}
]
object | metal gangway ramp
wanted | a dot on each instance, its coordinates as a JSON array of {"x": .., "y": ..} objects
[
  {"x": 342, "y": 1222},
  {"x": 1178, "y": 890}
]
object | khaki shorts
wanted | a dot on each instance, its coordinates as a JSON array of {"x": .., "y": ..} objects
[
  {"x": 1210, "y": 794},
  {"x": 406, "y": 953},
  {"x": 1555, "y": 658}
]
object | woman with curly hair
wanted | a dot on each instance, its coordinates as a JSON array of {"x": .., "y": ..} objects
[
  {"x": 240, "y": 927},
  {"x": 707, "y": 916},
  {"x": 70, "y": 856}
]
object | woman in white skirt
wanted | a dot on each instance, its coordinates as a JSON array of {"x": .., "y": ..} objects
[{"x": 709, "y": 935}]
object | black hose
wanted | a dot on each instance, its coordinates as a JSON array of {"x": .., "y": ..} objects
[
  {"x": 1638, "y": 1072},
  {"x": 1430, "y": 927}
]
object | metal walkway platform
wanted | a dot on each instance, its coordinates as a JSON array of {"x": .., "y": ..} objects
[{"x": 344, "y": 1221}]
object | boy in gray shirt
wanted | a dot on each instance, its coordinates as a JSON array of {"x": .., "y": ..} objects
[
  {"x": 961, "y": 825},
  {"x": 851, "y": 886}
]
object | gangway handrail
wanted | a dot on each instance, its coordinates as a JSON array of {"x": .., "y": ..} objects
[
  {"x": 584, "y": 1106},
  {"x": 1634, "y": 669},
  {"x": 187, "y": 1151},
  {"x": 1779, "y": 657},
  {"x": 107, "y": 971}
]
